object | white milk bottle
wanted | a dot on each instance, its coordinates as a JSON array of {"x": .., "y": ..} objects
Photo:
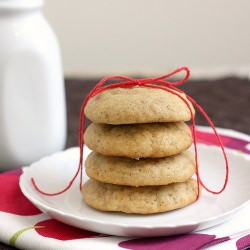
[{"x": 32, "y": 95}]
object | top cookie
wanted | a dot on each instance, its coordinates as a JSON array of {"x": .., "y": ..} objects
[{"x": 137, "y": 105}]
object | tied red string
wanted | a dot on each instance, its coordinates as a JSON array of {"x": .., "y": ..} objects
[{"x": 158, "y": 83}]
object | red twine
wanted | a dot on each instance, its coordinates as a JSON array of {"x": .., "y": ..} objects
[{"x": 158, "y": 83}]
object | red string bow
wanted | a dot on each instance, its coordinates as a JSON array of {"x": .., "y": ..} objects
[{"x": 158, "y": 83}]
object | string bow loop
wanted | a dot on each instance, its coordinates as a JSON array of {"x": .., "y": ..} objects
[{"x": 158, "y": 83}]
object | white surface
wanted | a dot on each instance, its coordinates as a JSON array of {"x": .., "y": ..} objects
[
  {"x": 210, "y": 210},
  {"x": 32, "y": 99},
  {"x": 100, "y": 38}
]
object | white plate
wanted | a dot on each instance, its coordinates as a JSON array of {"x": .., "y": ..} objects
[{"x": 52, "y": 174}]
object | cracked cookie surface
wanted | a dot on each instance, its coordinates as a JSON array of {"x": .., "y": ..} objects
[
  {"x": 143, "y": 172},
  {"x": 150, "y": 140},
  {"x": 139, "y": 200},
  {"x": 137, "y": 105}
]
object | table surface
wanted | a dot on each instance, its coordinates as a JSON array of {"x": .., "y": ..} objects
[{"x": 226, "y": 101}]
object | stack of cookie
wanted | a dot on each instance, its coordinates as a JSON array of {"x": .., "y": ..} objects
[{"x": 140, "y": 162}]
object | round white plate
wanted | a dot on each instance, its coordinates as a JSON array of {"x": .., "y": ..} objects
[{"x": 53, "y": 173}]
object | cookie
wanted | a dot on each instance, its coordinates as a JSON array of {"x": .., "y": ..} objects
[
  {"x": 150, "y": 140},
  {"x": 139, "y": 200},
  {"x": 144, "y": 172},
  {"x": 137, "y": 105}
]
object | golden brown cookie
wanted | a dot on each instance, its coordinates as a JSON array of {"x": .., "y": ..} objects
[
  {"x": 140, "y": 200},
  {"x": 143, "y": 172},
  {"x": 137, "y": 105},
  {"x": 150, "y": 140}
]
